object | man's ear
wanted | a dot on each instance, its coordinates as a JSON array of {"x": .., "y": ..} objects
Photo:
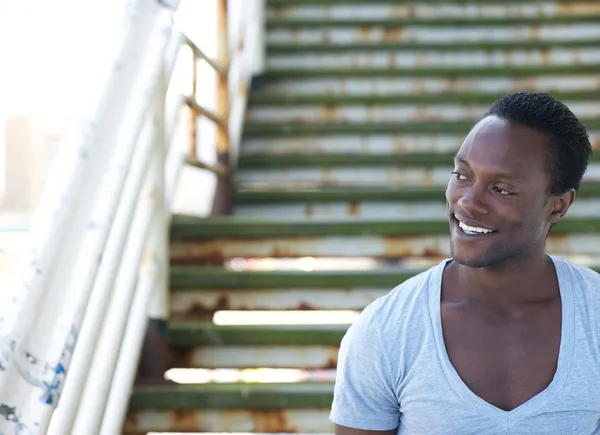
[{"x": 559, "y": 204}]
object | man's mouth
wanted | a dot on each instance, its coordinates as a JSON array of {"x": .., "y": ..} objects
[{"x": 474, "y": 230}]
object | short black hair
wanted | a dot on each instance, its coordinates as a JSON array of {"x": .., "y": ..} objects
[{"x": 569, "y": 148}]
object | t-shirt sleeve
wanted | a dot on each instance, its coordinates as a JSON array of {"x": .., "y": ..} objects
[{"x": 364, "y": 394}]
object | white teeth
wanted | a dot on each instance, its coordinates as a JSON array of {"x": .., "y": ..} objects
[{"x": 473, "y": 230}]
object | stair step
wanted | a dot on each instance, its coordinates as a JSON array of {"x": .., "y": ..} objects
[
  {"x": 278, "y": 129},
  {"x": 365, "y": 144},
  {"x": 234, "y": 396},
  {"x": 313, "y": 357},
  {"x": 210, "y": 241},
  {"x": 488, "y": 46},
  {"x": 210, "y": 278},
  {"x": 382, "y": 203},
  {"x": 276, "y": 195},
  {"x": 406, "y": 113},
  {"x": 457, "y": 98},
  {"x": 444, "y": 21},
  {"x": 203, "y": 228},
  {"x": 429, "y": 87},
  {"x": 434, "y": 33},
  {"x": 230, "y": 421},
  {"x": 418, "y": 58},
  {"x": 197, "y": 293},
  {"x": 563, "y": 4},
  {"x": 241, "y": 408},
  {"x": 423, "y": 160},
  {"x": 183, "y": 334},
  {"x": 421, "y": 72}
]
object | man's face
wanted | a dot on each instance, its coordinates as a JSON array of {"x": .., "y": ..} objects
[{"x": 497, "y": 196}]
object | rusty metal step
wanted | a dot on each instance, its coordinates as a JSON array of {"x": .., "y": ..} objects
[
  {"x": 276, "y": 195},
  {"x": 199, "y": 292},
  {"x": 261, "y": 408},
  {"x": 458, "y": 98},
  {"x": 212, "y": 241},
  {"x": 422, "y": 72},
  {"x": 403, "y": 204},
  {"x": 372, "y": 144},
  {"x": 265, "y": 129},
  {"x": 271, "y": 3},
  {"x": 384, "y": 114},
  {"x": 457, "y": 22},
  {"x": 295, "y": 48},
  {"x": 422, "y": 160},
  {"x": 210, "y": 228},
  {"x": 184, "y": 334},
  {"x": 405, "y": 87}
]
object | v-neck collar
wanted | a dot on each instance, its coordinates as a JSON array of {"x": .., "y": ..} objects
[{"x": 565, "y": 354}]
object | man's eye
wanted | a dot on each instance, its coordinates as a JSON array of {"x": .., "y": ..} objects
[
  {"x": 502, "y": 191},
  {"x": 458, "y": 176}
]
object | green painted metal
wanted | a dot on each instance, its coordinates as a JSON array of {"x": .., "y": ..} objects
[
  {"x": 423, "y": 72},
  {"x": 505, "y": 46},
  {"x": 213, "y": 277},
  {"x": 234, "y": 396},
  {"x": 201, "y": 228},
  {"x": 455, "y": 98},
  {"x": 356, "y": 195},
  {"x": 282, "y": 129},
  {"x": 183, "y": 334},
  {"x": 403, "y": 2},
  {"x": 279, "y": 23},
  {"x": 424, "y": 160}
]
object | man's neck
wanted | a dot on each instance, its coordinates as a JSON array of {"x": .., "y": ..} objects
[{"x": 509, "y": 289}]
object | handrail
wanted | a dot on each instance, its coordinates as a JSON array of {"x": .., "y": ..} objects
[{"x": 102, "y": 226}]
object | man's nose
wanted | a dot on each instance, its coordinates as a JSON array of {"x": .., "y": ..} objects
[{"x": 472, "y": 201}]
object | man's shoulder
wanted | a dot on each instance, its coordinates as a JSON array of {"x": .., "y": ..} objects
[
  {"x": 405, "y": 300},
  {"x": 581, "y": 275}
]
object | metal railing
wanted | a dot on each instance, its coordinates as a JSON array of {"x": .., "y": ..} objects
[{"x": 99, "y": 239}]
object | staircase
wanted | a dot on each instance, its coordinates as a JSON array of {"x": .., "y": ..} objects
[{"x": 346, "y": 152}]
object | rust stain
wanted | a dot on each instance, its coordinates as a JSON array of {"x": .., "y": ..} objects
[
  {"x": 428, "y": 177},
  {"x": 422, "y": 114},
  {"x": 364, "y": 34},
  {"x": 183, "y": 420},
  {"x": 525, "y": 83},
  {"x": 534, "y": 32},
  {"x": 181, "y": 357},
  {"x": 330, "y": 112},
  {"x": 131, "y": 422},
  {"x": 546, "y": 56},
  {"x": 354, "y": 208},
  {"x": 295, "y": 34},
  {"x": 327, "y": 176},
  {"x": 577, "y": 58},
  {"x": 583, "y": 8},
  {"x": 392, "y": 60},
  {"x": 392, "y": 34},
  {"x": 305, "y": 306},
  {"x": 399, "y": 146},
  {"x": 272, "y": 422},
  {"x": 402, "y": 247},
  {"x": 281, "y": 11},
  {"x": 308, "y": 210},
  {"x": 187, "y": 253}
]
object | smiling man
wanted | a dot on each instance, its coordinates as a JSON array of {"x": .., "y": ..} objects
[{"x": 502, "y": 338}]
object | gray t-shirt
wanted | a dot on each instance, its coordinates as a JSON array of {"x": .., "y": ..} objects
[{"x": 394, "y": 372}]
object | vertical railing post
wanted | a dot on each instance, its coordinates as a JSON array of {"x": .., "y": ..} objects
[
  {"x": 223, "y": 202},
  {"x": 193, "y": 114}
]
